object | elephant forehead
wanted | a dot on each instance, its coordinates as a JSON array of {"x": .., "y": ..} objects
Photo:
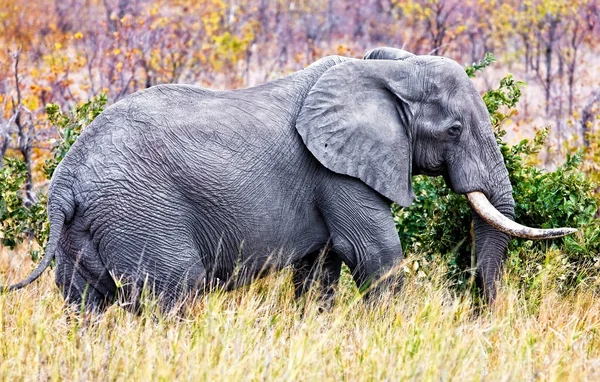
[
  {"x": 469, "y": 104},
  {"x": 440, "y": 76}
]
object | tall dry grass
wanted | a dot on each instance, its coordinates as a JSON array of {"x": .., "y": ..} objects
[{"x": 261, "y": 333}]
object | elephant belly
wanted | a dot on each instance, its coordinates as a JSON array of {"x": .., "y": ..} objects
[{"x": 258, "y": 239}]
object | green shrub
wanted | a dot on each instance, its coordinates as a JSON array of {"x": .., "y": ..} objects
[
  {"x": 439, "y": 221},
  {"x": 20, "y": 219},
  {"x": 69, "y": 126}
]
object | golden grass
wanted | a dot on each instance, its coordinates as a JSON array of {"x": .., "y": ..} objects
[{"x": 261, "y": 333}]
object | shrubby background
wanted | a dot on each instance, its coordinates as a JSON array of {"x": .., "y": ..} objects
[{"x": 68, "y": 51}]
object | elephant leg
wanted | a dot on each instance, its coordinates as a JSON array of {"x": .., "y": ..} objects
[
  {"x": 80, "y": 275},
  {"x": 321, "y": 268},
  {"x": 378, "y": 273},
  {"x": 79, "y": 294},
  {"x": 157, "y": 273},
  {"x": 187, "y": 283},
  {"x": 364, "y": 235}
]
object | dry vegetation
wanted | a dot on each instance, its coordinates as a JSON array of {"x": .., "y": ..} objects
[{"x": 260, "y": 332}]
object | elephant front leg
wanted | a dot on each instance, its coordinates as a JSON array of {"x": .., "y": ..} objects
[
  {"x": 320, "y": 268},
  {"x": 364, "y": 236},
  {"x": 375, "y": 268}
]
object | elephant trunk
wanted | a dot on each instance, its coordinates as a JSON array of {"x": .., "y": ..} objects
[{"x": 491, "y": 243}]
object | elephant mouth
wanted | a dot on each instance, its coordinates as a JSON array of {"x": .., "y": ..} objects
[
  {"x": 480, "y": 203},
  {"x": 441, "y": 169}
]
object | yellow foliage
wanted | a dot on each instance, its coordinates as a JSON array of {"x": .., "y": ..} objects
[{"x": 31, "y": 102}]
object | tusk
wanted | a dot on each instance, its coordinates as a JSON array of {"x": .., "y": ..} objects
[{"x": 496, "y": 219}]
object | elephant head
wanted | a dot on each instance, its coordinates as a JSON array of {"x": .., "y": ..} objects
[{"x": 394, "y": 115}]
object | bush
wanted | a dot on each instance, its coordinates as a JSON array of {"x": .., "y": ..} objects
[
  {"x": 21, "y": 219},
  {"x": 69, "y": 126},
  {"x": 439, "y": 221}
]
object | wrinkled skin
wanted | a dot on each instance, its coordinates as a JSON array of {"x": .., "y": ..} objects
[{"x": 183, "y": 189}]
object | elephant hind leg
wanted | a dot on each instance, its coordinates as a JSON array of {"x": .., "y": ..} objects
[
  {"x": 186, "y": 283},
  {"x": 320, "y": 268},
  {"x": 79, "y": 294},
  {"x": 154, "y": 285},
  {"x": 80, "y": 275}
]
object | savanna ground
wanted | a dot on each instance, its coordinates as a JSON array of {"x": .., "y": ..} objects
[
  {"x": 428, "y": 332},
  {"x": 544, "y": 324}
]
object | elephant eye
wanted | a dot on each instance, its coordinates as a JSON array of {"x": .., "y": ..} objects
[{"x": 454, "y": 130}]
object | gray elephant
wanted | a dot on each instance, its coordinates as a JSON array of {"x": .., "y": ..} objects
[{"x": 182, "y": 189}]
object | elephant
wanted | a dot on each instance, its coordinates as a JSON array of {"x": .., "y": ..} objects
[{"x": 185, "y": 189}]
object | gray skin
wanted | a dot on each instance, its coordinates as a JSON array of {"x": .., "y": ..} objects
[{"x": 183, "y": 189}]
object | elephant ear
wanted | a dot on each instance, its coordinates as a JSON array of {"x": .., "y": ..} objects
[
  {"x": 354, "y": 124},
  {"x": 387, "y": 53}
]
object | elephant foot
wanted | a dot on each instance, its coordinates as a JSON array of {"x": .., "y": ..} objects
[{"x": 320, "y": 269}]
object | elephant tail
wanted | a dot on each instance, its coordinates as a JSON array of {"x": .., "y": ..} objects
[{"x": 57, "y": 221}]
